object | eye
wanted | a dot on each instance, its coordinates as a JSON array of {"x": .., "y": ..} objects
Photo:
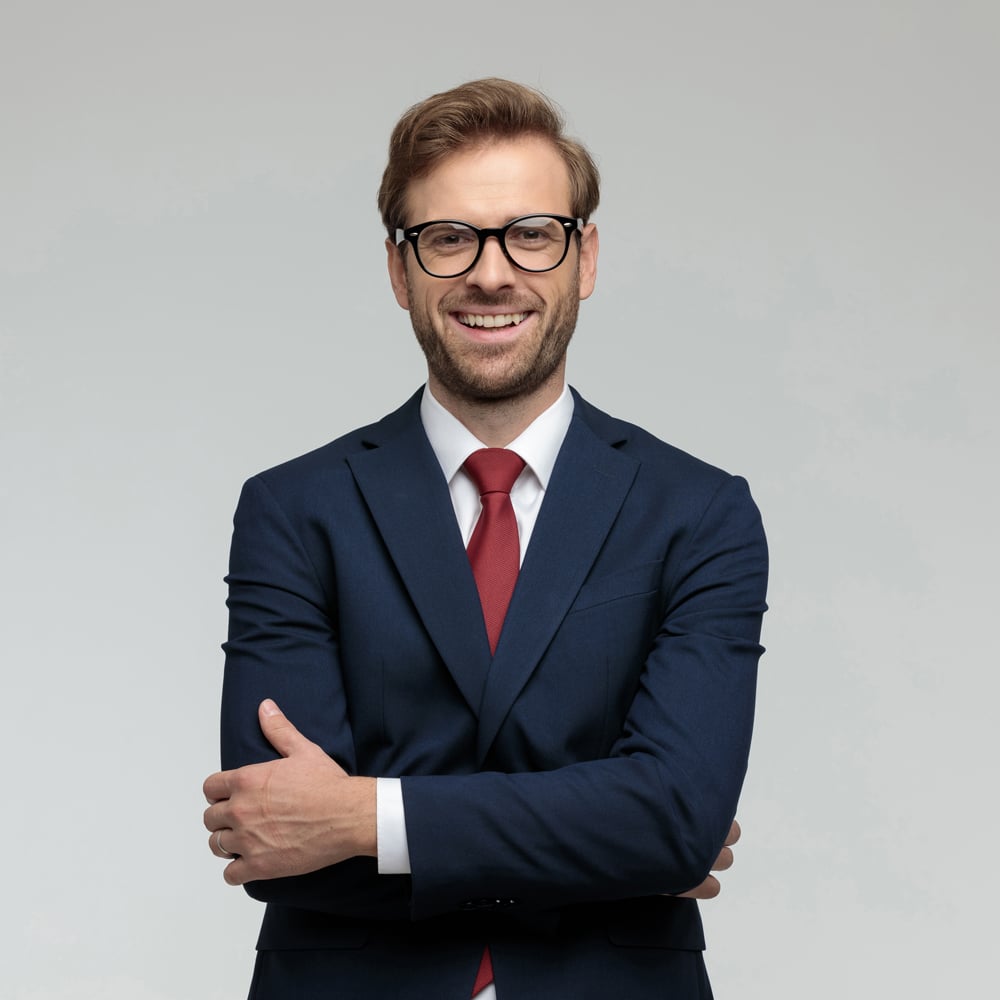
[
  {"x": 535, "y": 234},
  {"x": 447, "y": 238},
  {"x": 540, "y": 232}
]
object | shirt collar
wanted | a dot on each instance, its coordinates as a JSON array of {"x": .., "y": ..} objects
[{"x": 538, "y": 444}]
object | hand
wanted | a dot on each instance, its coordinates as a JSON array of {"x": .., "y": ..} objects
[
  {"x": 710, "y": 888},
  {"x": 288, "y": 816}
]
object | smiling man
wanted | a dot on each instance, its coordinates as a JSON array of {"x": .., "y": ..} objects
[
  {"x": 491, "y": 662},
  {"x": 487, "y": 336}
]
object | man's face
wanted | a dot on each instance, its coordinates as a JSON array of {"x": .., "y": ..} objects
[{"x": 468, "y": 358}]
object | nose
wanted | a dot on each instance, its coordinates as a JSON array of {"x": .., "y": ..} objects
[{"x": 493, "y": 271}]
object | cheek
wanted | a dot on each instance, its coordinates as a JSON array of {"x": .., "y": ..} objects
[
  {"x": 429, "y": 306},
  {"x": 557, "y": 293}
]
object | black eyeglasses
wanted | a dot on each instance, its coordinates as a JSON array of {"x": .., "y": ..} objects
[{"x": 447, "y": 248}]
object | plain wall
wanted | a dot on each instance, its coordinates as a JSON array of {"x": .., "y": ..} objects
[{"x": 798, "y": 282}]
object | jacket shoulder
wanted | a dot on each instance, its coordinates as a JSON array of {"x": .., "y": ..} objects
[
  {"x": 658, "y": 458},
  {"x": 316, "y": 468}
]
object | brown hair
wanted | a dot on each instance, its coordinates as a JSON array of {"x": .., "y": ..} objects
[{"x": 478, "y": 112}]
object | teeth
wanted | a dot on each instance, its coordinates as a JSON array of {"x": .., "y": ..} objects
[{"x": 507, "y": 319}]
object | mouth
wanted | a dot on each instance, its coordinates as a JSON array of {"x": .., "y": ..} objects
[{"x": 489, "y": 321}]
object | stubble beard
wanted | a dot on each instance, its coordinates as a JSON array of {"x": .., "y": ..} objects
[{"x": 478, "y": 373}]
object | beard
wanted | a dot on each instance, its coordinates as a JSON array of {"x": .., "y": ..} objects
[{"x": 478, "y": 372}]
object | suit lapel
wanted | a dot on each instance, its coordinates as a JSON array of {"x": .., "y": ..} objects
[
  {"x": 588, "y": 487},
  {"x": 401, "y": 481}
]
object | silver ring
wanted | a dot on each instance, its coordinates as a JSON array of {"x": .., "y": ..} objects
[{"x": 222, "y": 850}]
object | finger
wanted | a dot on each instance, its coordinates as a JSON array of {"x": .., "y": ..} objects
[
  {"x": 280, "y": 733},
  {"x": 216, "y": 817},
  {"x": 216, "y": 787},
  {"x": 236, "y": 872},
  {"x": 733, "y": 835},
  {"x": 217, "y": 846},
  {"x": 708, "y": 889},
  {"x": 723, "y": 861}
]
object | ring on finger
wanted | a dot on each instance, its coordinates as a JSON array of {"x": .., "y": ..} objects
[{"x": 222, "y": 851}]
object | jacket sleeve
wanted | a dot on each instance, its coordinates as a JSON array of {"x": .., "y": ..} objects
[
  {"x": 652, "y": 816},
  {"x": 282, "y": 645}
]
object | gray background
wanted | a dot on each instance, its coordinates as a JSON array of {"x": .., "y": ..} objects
[{"x": 798, "y": 282}]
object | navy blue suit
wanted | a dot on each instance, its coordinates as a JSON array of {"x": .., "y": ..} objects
[{"x": 552, "y": 792}]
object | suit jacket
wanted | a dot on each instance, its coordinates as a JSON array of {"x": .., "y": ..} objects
[{"x": 553, "y": 791}]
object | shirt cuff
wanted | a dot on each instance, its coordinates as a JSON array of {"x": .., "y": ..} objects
[{"x": 390, "y": 822}]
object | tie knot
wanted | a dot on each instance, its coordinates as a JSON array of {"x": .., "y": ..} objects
[{"x": 494, "y": 470}]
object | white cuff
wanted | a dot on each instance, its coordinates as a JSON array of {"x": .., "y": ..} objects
[{"x": 390, "y": 821}]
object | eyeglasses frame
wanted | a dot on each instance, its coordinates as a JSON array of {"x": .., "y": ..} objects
[{"x": 412, "y": 234}]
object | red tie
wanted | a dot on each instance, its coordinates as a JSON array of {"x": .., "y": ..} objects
[
  {"x": 495, "y": 553},
  {"x": 494, "y": 549}
]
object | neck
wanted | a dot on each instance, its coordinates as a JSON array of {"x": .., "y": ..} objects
[{"x": 497, "y": 422}]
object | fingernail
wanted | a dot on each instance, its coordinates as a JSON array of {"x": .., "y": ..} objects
[{"x": 268, "y": 707}]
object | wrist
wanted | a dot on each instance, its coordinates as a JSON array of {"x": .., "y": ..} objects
[{"x": 365, "y": 829}]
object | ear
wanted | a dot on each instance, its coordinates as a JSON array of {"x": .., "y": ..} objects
[
  {"x": 397, "y": 273},
  {"x": 589, "y": 245}
]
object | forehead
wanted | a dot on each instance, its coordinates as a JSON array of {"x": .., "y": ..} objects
[{"x": 490, "y": 184}]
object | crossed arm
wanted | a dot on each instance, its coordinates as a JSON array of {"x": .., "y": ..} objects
[{"x": 303, "y": 812}]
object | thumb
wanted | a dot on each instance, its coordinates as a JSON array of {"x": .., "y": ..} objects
[{"x": 278, "y": 731}]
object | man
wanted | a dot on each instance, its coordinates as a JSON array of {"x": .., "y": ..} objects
[{"x": 491, "y": 663}]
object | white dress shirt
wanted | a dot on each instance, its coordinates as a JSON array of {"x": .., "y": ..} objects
[{"x": 453, "y": 442}]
